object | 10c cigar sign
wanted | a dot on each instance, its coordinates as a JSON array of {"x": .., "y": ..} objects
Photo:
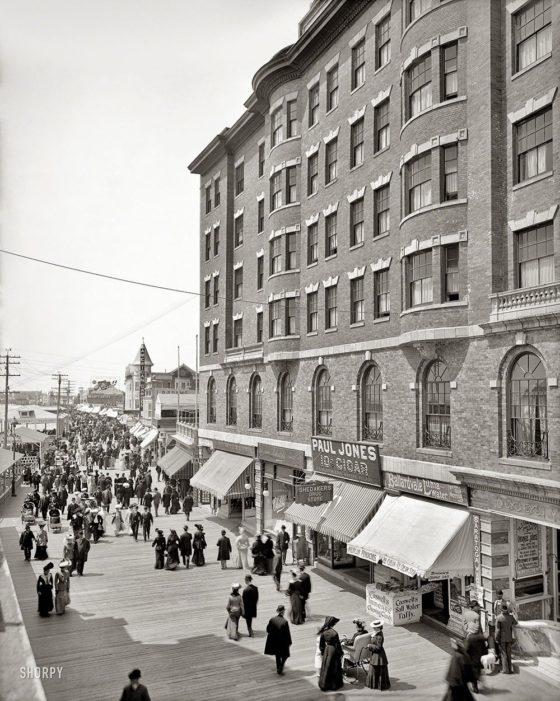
[{"x": 347, "y": 460}]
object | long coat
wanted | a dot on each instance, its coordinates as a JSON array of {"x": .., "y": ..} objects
[
  {"x": 305, "y": 580},
  {"x": 224, "y": 548},
  {"x": 185, "y": 544},
  {"x": 330, "y": 677},
  {"x": 250, "y": 598},
  {"x": 45, "y": 594},
  {"x": 278, "y": 639},
  {"x": 82, "y": 549},
  {"x": 297, "y": 601}
]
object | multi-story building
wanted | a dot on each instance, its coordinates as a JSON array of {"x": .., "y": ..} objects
[
  {"x": 380, "y": 291},
  {"x": 136, "y": 377},
  {"x": 106, "y": 395}
]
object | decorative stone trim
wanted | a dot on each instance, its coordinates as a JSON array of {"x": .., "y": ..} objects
[
  {"x": 356, "y": 195},
  {"x": 239, "y": 213},
  {"x": 292, "y": 293},
  {"x": 238, "y": 316},
  {"x": 418, "y": 51},
  {"x": 357, "y": 272},
  {"x": 434, "y": 142},
  {"x": 260, "y": 196},
  {"x": 260, "y": 253},
  {"x": 206, "y": 324},
  {"x": 215, "y": 273},
  {"x": 330, "y": 282},
  {"x": 533, "y": 104},
  {"x": 552, "y": 382},
  {"x": 291, "y": 96},
  {"x": 313, "y": 82},
  {"x": 285, "y": 164},
  {"x": 217, "y": 175},
  {"x": 215, "y": 322},
  {"x": 358, "y": 37},
  {"x": 295, "y": 228},
  {"x": 332, "y": 63},
  {"x": 312, "y": 149},
  {"x": 381, "y": 180},
  {"x": 259, "y": 308},
  {"x": 313, "y": 219},
  {"x": 208, "y": 230},
  {"x": 238, "y": 265},
  {"x": 381, "y": 13},
  {"x": 207, "y": 278},
  {"x": 331, "y": 209},
  {"x": 216, "y": 224},
  {"x": 439, "y": 240},
  {"x": 358, "y": 114},
  {"x": 512, "y": 7},
  {"x": 312, "y": 287},
  {"x": 275, "y": 296},
  {"x": 277, "y": 104},
  {"x": 333, "y": 133},
  {"x": 275, "y": 234},
  {"x": 261, "y": 141},
  {"x": 532, "y": 218},
  {"x": 239, "y": 161},
  {"x": 381, "y": 264},
  {"x": 208, "y": 184},
  {"x": 381, "y": 96}
]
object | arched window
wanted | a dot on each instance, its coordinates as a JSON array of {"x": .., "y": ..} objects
[
  {"x": 255, "y": 401},
  {"x": 211, "y": 402},
  {"x": 528, "y": 428},
  {"x": 231, "y": 401},
  {"x": 323, "y": 404},
  {"x": 437, "y": 406},
  {"x": 285, "y": 415},
  {"x": 372, "y": 405}
]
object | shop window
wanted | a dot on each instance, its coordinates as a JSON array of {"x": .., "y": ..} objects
[
  {"x": 231, "y": 401},
  {"x": 211, "y": 402},
  {"x": 332, "y": 552},
  {"x": 285, "y": 413},
  {"x": 372, "y": 405},
  {"x": 255, "y": 397},
  {"x": 533, "y": 33},
  {"x": 437, "y": 406},
  {"x": 323, "y": 404},
  {"x": 527, "y": 399}
]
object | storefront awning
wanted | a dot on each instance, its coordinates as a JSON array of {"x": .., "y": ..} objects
[
  {"x": 29, "y": 435},
  {"x": 353, "y": 506},
  {"x": 220, "y": 473},
  {"x": 418, "y": 537},
  {"x": 176, "y": 460},
  {"x": 149, "y": 438},
  {"x": 305, "y": 515},
  {"x": 7, "y": 459}
]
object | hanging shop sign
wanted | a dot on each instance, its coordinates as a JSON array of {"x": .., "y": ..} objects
[
  {"x": 142, "y": 389},
  {"x": 528, "y": 551},
  {"x": 314, "y": 493},
  {"x": 423, "y": 487},
  {"x": 347, "y": 460}
]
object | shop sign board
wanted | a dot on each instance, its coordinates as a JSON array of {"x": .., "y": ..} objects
[
  {"x": 542, "y": 512},
  {"x": 314, "y": 493},
  {"x": 528, "y": 551},
  {"x": 396, "y": 608},
  {"x": 347, "y": 460},
  {"x": 279, "y": 455},
  {"x": 423, "y": 487},
  {"x": 476, "y": 550}
]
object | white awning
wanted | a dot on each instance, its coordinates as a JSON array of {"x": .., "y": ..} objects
[
  {"x": 220, "y": 472},
  {"x": 149, "y": 438}
]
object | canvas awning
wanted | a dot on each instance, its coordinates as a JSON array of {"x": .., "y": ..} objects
[
  {"x": 306, "y": 515},
  {"x": 149, "y": 438},
  {"x": 29, "y": 435},
  {"x": 136, "y": 428},
  {"x": 7, "y": 459},
  {"x": 418, "y": 537},
  {"x": 220, "y": 473},
  {"x": 176, "y": 460},
  {"x": 112, "y": 413}
]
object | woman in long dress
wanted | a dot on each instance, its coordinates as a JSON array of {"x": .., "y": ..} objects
[
  {"x": 297, "y": 601},
  {"x": 378, "y": 671},
  {"x": 159, "y": 545},
  {"x": 259, "y": 561},
  {"x": 118, "y": 521},
  {"x": 45, "y": 591},
  {"x": 175, "y": 504},
  {"x": 242, "y": 544},
  {"x": 41, "y": 542},
  {"x": 235, "y": 610},
  {"x": 62, "y": 588},
  {"x": 172, "y": 551},
  {"x": 330, "y": 677},
  {"x": 199, "y": 544}
]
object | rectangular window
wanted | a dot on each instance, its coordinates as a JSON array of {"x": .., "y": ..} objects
[
  {"x": 417, "y": 8},
  {"x": 356, "y": 222},
  {"x": 420, "y": 86},
  {"x": 290, "y": 304},
  {"x": 261, "y": 160},
  {"x": 291, "y": 119},
  {"x": 420, "y": 277},
  {"x": 314, "y": 105},
  {"x": 331, "y": 235},
  {"x": 381, "y": 299},
  {"x": 207, "y": 245},
  {"x": 332, "y": 88},
  {"x": 276, "y": 191},
  {"x": 535, "y": 256},
  {"x": 357, "y": 300},
  {"x": 238, "y": 283},
  {"x": 238, "y": 231},
  {"x": 312, "y": 312},
  {"x": 451, "y": 281},
  {"x": 291, "y": 185},
  {"x": 260, "y": 216},
  {"x": 534, "y": 145},
  {"x": 238, "y": 333},
  {"x": 331, "y": 160},
  {"x": 449, "y": 72},
  {"x": 419, "y": 183},
  {"x": 383, "y": 42},
  {"x": 359, "y": 64},
  {"x": 357, "y": 143},
  {"x": 312, "y": 243},
  {"x": 276, "y": 127},
  {"x": 216, "y": 240},
  {"x": 381, "y": 126},
  {"x": 207, "y": 293},
  {"x": 206, "y": 340},
  {"x": 240, "y": 179},
  {"x": 331, "y": 310},
  {"x": 291, "y": 252},
  {"x": 214, "y": 338},
  {"x": 260, "y": 330},
  {"x": 216, "y": 192},
  {"x": 276, "y": 319},
  {"x": 216, "y": 293},
  {"x": 312, "y": 174},
  {"x": 260, "y": 273},
  {"x": 533, "y": 33},
  {"x": 450, "y": 173},
  {"x": 276, "y": 255},
  {"x": 208, "y": 194},
  {"x": 382, "y": 215}
]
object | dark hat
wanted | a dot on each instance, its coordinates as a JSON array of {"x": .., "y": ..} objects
[
  {"x": 505, "y": 607},
  {"x": 280, "y": 608},
  {"x": 223, "y": 532},
  {"x": 499, "y": 592},
  {"x": 185, "y": 528},
  {"x": 48, "y": 567},
  {"x": 474, "y": 604},
  {"x": 135, "y": 674}
]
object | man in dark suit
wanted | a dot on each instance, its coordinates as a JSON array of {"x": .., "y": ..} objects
[
  {"x": 283, "y": 542},
  {"x": 504, "y": 636},
  {"x": 82, "y": 549},
  {"x": 305, "y": 580},
  {"x": 278, "y": 639},
  {"x": 250, "y": 598}
]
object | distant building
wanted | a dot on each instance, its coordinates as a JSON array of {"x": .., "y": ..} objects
[
  {"x": 133, "y": 382},
  {"x": 106, "y": 396},
  {"x": 25, "y": 396}
]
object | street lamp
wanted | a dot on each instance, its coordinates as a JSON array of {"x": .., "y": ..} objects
[{"x": 14, "y": 425}]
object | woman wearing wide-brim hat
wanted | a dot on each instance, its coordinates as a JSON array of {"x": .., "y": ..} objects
[
  {"x": 235, "y": 610},
  {"x": 378, "y": 671},
  {"x": 62, "y": 587},
  {"x": 330, "y": 676},
  {"x": 45, "y": 591},
  {"x": 41, "y": 542}
]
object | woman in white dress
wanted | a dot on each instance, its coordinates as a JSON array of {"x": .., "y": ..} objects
[{"x": 242, "y": 544}]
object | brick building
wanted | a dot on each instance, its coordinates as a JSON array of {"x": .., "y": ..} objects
[{"x": 380, "y": 269}]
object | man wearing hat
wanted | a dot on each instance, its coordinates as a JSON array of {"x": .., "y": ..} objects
[
  {"x": 185, "y": 546},
  {"x": 45, "y": 591},
  {"x": 26, "y": 541},
  {"x": 82, "y": 549},
  {"x": 471, "y": 619},
  {"x": 278, "y": 639},
  {"x": 504, "y": 637},
  {"x": 135, "y": 691},
  {"x": 147, "y": 521}
]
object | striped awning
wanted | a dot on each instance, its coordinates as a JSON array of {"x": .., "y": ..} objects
[
  {"x": 149, "y": 438},
  {"x": 305, "y": 515},
  {"x": 220, "y": 473},
  {"x": 176, "y": 460}
]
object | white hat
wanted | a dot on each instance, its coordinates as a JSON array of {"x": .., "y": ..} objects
[{"x": 377, "y": 625}]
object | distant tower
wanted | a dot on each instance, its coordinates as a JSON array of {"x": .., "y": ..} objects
[{"x": 136, "y": 376}]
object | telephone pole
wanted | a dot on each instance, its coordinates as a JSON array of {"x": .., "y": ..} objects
[
  {"x": 69, "y": 389},
  {"x": 58, "y": 377},
  {"x": 8, "y": 359}
]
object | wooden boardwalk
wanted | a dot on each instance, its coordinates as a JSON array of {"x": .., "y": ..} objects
[{"x": 125, "y": 614}]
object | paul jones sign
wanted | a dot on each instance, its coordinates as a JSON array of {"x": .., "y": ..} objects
[
  {"x": 358, "y": 462},
  {"x": 424, "y": 487},
  {"x": 314, "y": 493}
]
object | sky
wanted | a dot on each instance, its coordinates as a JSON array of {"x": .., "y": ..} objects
[{"x": 103, "y": 104}]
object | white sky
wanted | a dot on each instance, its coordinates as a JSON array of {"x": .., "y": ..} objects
[{"x": 103, "y": 104}]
